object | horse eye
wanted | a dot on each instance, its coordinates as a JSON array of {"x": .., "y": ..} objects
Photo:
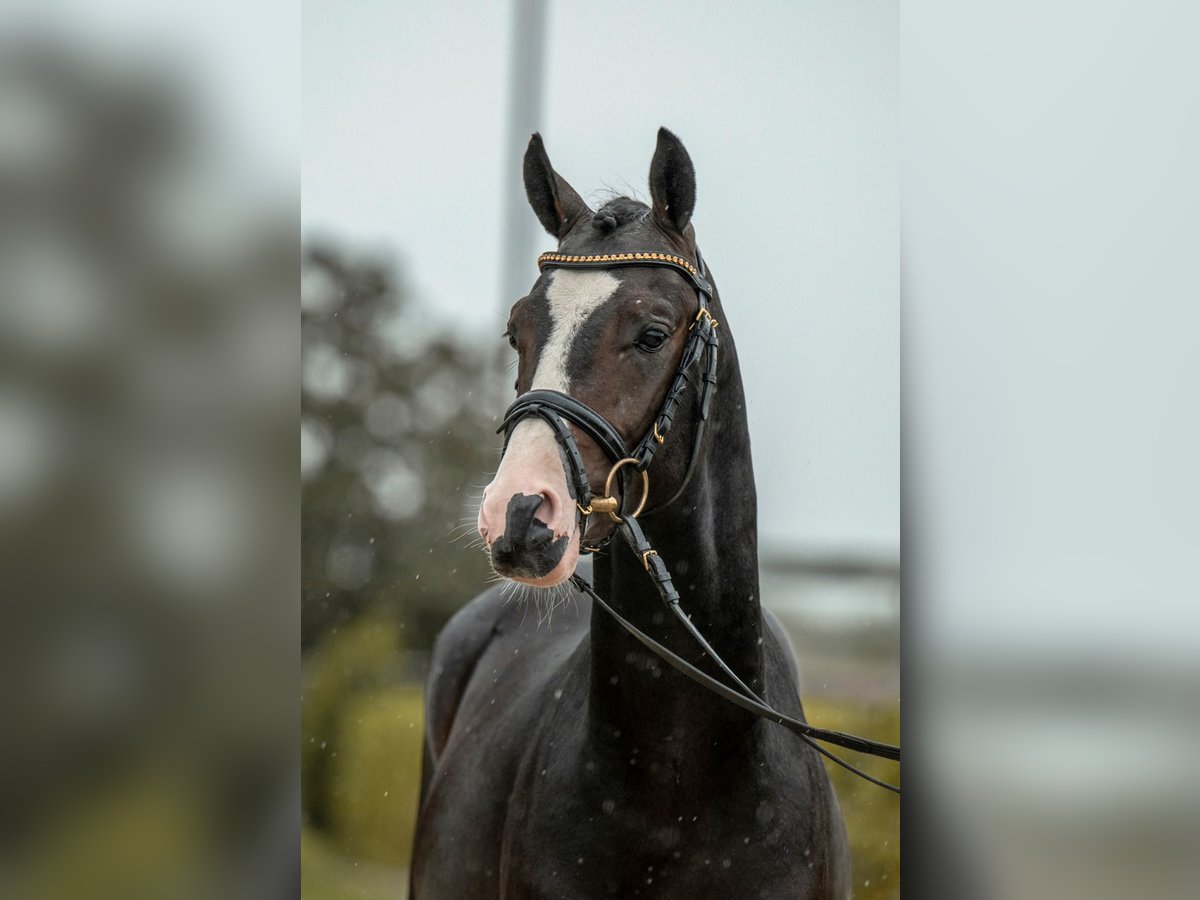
[
  {"x": 653, "y": 340},
  {"x": 512, "y": 341}
]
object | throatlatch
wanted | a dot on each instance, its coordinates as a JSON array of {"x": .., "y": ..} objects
[{"x": 557, "y": 409}]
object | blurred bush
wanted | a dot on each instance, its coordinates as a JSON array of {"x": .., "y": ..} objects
[
  {"x": 872, "y": 814},
  {"x": 398, "y": 420},
  {"x": 361, "y": 733}
]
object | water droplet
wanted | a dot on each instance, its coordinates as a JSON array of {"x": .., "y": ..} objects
[
  {"x": 558, "y": 694},
  {"x": 608, "y": 806}
]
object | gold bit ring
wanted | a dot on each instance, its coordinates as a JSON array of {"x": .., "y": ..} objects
[{"x": 602, "y": 506}]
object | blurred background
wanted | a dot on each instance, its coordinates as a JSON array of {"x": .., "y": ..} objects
[
  {"x": 1052, "y": 629},
  {"x": 417, "y": 240},
  {"x": 150, "y": 532},
  {"x": 148, "y": 514}
]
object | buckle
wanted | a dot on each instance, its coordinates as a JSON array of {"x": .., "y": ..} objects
[{"x": 705, "y": 314}]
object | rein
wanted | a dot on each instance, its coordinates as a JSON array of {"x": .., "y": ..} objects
[{"x": 557, "y": 408}]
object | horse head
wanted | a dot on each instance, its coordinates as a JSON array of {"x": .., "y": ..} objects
[{"x": 611, "y": 338}]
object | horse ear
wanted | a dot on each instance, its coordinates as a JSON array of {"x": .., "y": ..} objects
[
  {"x": 672, "y": 182},
  {"x": 555, "y": 202}
]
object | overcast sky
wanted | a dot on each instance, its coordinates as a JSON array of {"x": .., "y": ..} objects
[{"x": 790, "y": 113}]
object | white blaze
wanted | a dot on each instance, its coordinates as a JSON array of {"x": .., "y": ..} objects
[
  {"x": 532, "y": 462},
  {"x": 573, "y": 297}
]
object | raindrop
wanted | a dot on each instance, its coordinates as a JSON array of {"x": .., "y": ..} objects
[{"x": 558, "y": 694}]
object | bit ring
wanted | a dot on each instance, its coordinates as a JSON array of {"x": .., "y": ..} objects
[{"x": 608, "y": 491}]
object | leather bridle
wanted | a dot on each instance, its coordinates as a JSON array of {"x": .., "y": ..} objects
[{"x": 557, "y": 409}]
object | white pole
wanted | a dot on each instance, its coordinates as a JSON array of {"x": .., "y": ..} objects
[{"x": 520, "y": 228}]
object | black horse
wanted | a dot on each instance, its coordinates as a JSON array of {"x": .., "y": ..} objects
[{"x": 567, "y": 760}]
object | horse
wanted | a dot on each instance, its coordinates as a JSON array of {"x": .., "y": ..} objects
[{"x": 564, "y": 759}]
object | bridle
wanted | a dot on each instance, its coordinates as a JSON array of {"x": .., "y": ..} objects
[{"x": 557, "y": 409}]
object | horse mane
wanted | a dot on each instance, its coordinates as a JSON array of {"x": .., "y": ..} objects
[{"x": 617, "y": 212}]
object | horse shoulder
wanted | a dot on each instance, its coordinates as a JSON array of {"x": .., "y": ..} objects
[{"x": 456, "y": 652}]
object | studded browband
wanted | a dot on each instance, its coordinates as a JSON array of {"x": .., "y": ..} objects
[{"x": 614, "y": 260}]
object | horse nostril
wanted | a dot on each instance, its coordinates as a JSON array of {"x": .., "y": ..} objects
[
  {"x": 548, "y": 510},
  {"x": 521, "y": 523},
  {"x": 527, "y": 546}
]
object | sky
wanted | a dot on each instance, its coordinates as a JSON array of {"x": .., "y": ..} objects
[{"x": 790, "y": 112}]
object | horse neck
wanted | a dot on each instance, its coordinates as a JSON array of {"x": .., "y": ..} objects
[{"x": 708, "y": 539}]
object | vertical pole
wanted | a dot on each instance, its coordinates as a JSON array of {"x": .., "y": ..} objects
[{"x": 524, "y": 118}]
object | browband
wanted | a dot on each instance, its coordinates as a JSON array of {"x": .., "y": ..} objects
[{"x": 616, "y": 260}]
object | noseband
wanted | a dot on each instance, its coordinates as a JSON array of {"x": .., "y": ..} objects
[{"x": 557, "y": 409}]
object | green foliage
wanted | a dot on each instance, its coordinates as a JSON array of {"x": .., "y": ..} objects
[
  {"x": 375, "y": 782},
  {"x": 328, "y": 874},
  {"x": 872, "y": 814},
  {"x": 357, "y": 660}
]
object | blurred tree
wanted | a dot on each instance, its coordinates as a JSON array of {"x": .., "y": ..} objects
[{"x": 398, "y": 415}]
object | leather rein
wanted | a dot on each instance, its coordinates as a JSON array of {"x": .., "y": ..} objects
[{"x": 557, "y": 409}]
